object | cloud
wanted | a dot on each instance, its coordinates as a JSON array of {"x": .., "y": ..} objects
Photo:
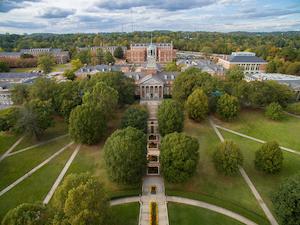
[
  {"x": 168, "y": 5},
  {"x": 21, "y": 25},
  {"x": 269, "y": 12},
  {"x": 53, "y": 13},
  {"x": 8, "y": 5}
]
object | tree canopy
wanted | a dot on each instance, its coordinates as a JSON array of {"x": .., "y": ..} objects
[
  {"x": 227, "y": 107},
  {"x": 197, "y": 105},
  {"x": 287, "y": 200},
  {"x": 227, "y": 158},
  {"x": 269, "y": 158},
  {"x": 46, "y": 63},
  {"x": 125, "y": 155},
  {"x": 135, "y": 116},
  {"x": 179, "y": 157},
  {"x": 170, "y": 117}
]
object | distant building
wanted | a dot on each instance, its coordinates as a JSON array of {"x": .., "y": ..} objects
[
  {"x": 61, "y": 57},
  {"x": 110, "y": 49},
  {"x": 289, "y": 80},
  {"x": 5, "y": 98},
  {"x": 163, "y": 52},
  {"x": 10, "y": 55},
  {"x": 248, "y": 61}
]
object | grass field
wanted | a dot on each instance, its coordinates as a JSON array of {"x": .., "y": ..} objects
[
  {"x": 6, "y": 141},
  {"x": 13, "y": 167},
  {"x": 36, "y": 187},
  {"x": 59, "y": 128},
  {"x": 208, "y": 185},
  {"x": 266, "y": 184},
  {"x": 255, "y": 124},
  {"x": 126, "y": 214},
  {"x": 180, "y": 214}
]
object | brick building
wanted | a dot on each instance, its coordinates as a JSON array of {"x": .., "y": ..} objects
[
  {"x": 164, "y": 52},
  {"x": 248, "y": 61}
]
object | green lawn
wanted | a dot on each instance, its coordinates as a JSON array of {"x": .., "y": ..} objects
[
  {"x": 61, "y": 67},
  {"x": 266, "y": 184},
  {"x": 13, "y": 167},
  {"x": 208, "y": 185},
  {"x": 126, "y": 214},
  {"x": 180, "y": 214},
  {"x": 59, "y": 128},
  {"x": 255, "y": 124},
  {"x": 36, "y": 187},
  {"x": 6, "y": 141}
]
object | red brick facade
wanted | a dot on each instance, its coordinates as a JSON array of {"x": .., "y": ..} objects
[{"x": 138, "y": 53}]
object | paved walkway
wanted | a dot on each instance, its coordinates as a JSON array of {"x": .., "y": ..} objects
[
  {"x": 5, "y": 154},
  {"x": 153, "y": 181},
  {"x": 256, "y": 139},
  {"x": 2, "y": 192},
  {"x": 291, "y": 114},
  {"x": 257, "y": 196},
  {"x": 126, "y": 200},
  {"x": 211, "y": 207},
  {"x": 61, "y": 176},
  {"x": 37, "y": 145}
]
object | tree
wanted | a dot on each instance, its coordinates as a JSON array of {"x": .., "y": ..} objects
[
  {"x": 87, "y": 124},
  {"x": 35, "y": 117},
  {"x": 269, "y": 158},
  {"x": 81, "y": 199},
  {"x": 287, "y": 200},
  {"x": 97, "y": 57},
  {"x": 118, "y": 53},
  {"x": 68, "y": 97},
  {"x": 234, "y": 74},
  {"x": 19, "y": 94},
  {"x": 170, "y": 117},
  {"x": 227, "y": 107},
  {"x": 227, "y": 158},
  {"x": 4, "y": 67},
  {"x": 46, "y": 63},
  {"x": 125, "y": 155},
  {"x": 189, "y": 80},
  {"x": 293, "y": 68},
  {"x": 135, "y": 116},
  {"x": 172, "y": 67},
  {"x": 206, "y": 51},
  {"x": 43, "y": 89},
  {"x": 125, "y": 86},
  {"x": 274, "y": 111},
  {"x": 69, "y": 74},
  {"x": 179, "y": 157},
  {"x": 103, "y": 97},
  {"x": 197, "y": 105},
  {"x": 8, "y": 118},
  {"x": 84, "y": 56},
  {"x": 76, "y": 64},
  {"x": 27, "y": 214},
  {"x": 108, "y": 58}
]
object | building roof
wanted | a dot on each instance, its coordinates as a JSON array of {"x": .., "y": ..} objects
[
  {"x": 245, "y": 59},
  {"x": 18, "y": 75},
  {"x": 6, "y": 54}
]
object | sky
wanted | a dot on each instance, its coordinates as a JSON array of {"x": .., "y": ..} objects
[{"x": 94, "y": 16}]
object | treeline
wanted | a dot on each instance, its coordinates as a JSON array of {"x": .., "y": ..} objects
[{"x": 267, "y": 45}]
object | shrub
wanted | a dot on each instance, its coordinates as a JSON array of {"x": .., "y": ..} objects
[
  {"x": 8, "y": 118},
  {"x": 269, "y": 158},
  {"x": 274, "y": 111},
  {"x": 179, "y": 157},
  {"x": 228, "y": 107},
  {"x": 125, "y": 155},
  {"x": 170, "y": 117},
  {"x": 294, "y": 108},
  {"x": 197, "y": 105},
  {"x": 287, "y": 201},
  {"x": 27, "y": 214},
  {"x": 87, "y": 125},
  {"x": 135, "y": 116},
  {"x": 227, "y": 158}
]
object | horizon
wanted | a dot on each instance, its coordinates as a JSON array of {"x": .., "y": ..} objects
[{"x": 103, "y": 16}]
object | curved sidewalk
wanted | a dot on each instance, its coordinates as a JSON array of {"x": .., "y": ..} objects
[
  {"x": 211, "y": 207},
  {"x": 192, "y": 202}
]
